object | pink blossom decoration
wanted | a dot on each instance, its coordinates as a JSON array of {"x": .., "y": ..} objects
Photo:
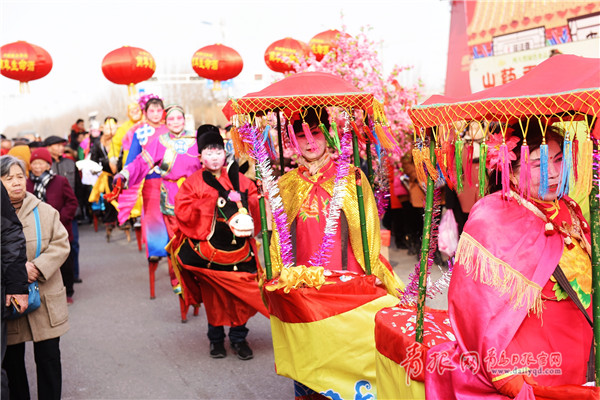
[{"x": 494, "y": 155}]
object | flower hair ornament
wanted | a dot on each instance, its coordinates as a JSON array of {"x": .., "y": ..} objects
[
  {"x": 500, "y": 153},
  {"x": 145, "y": 98}
]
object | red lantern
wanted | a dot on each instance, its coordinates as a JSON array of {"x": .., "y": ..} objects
[
  {"x": 217, "y": 62},
  {"x": 24, "y": 62},
  {"x": 324, "y": 42},
  {"x": 288, "y": 48},
  {"x": 128, "y": 66}
]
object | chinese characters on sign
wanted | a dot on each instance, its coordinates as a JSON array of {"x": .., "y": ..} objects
[{"x": 488, "y": 80}]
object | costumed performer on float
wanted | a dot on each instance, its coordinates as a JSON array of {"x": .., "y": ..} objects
[
  {"x": 519, "y": 300},
  {"x": 175, "y": 154},
  {"x": 306, "y": 193},
  {"x": 214, "y": 252},
  {"x": 154, "y": 231},
  {"x": 117, "y": 157},
  {"x": 104, "y": 184}
]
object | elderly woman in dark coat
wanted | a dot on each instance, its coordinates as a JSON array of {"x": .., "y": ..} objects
[
  {"x": 55, "y": 190},
  {"x": 45, "y": 325}
]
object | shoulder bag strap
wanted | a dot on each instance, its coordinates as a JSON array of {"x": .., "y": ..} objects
[
  {"x": 563, "y": 282},
  {"x": 38, "y": 232}
]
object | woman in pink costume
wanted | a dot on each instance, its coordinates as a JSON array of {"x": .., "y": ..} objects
[
  {"x": 175, "y": 154},
  {"x": 520, "y": 294},
  {"x": 154, "y": 231}
]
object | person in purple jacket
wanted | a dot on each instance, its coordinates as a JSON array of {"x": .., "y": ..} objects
[{"x": 56, "y": 191}]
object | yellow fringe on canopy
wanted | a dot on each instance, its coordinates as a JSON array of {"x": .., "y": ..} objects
[
  {"x": 299, "y": 276},
  {"x": 584, "y": 167},
  {"x": 491, "y": 271}
]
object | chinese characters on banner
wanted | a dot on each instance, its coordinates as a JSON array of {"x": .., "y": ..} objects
[{"x": 487, "y": 72}]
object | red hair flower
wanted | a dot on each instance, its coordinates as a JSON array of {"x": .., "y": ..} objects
[{"x": 494, "y": 156}]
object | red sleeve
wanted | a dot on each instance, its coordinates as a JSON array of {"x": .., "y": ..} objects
[
  {"x": 194, "y": 207},
  {"x": 254, "y": 209}
]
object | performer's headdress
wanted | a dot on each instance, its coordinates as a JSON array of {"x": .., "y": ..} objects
[{"x": 208, "y": 135}]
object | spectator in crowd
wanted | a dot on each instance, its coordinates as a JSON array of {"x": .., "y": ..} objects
[
  {"x": 65, "y": 166},
  {"x": 45, "y": 325},
  {"x": 5, "y": 145},
  {"x": 14, "y": 273},
  {"x": 55, "y": 190}
]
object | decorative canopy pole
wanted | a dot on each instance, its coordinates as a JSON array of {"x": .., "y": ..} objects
[
  {"x": 595, "y": 228},
  {"x": 361, "y": 206},
  {"x": 263, "y": 226},
  {"x": 425, "y": 248}
]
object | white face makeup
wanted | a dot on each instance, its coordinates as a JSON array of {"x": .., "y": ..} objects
[
  {"x": 308, "y": 152},
  {"x": 175, "y": 121},
  {"x": 154, "y": 113},
  {"x": 213, "y": 159}
]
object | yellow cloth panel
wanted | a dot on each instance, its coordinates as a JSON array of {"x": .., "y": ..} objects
[
  {"x": 117, "y": 140},
  {"x": 391, "y": 381},
  {"x": 102, "y": 186},
  {"x": 331, "y": 354}
]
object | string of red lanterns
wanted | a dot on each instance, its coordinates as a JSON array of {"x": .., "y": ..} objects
[{"x": 128, "y": 65}]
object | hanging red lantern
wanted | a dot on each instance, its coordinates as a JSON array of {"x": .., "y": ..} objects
[
  {"x": 278, "y": 52},
  {"x": 217, "y": 62},
  {"x": 24, "y": 62},
  {"x": 128, "y": 66},
  {"x": 324, "y": 42}
]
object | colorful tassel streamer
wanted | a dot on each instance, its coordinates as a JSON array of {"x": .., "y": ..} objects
[
  {"x": 358, "y": 134},
  {"x": 419, "y": 165},
  {"x": 505, "y": 168},
  {"x": 585, "y": 159},
  {"x": 382, "y": 137},
  {"x": 458, "y": 159},
  {"x": 335, "y": 135},
  {"x": 575, "y": 159},
  {"x": 483, "y": 149},
  {"x": 525, "y": 173},
  {"x": 543, "y": 190},
  {"x": 309, "y": 137},
  {"x": 567, "y": 165},
  {"x": 265, "y": 134},
  {"x": 469, "y": 165},
  {"x": 370, "y": 135},
  {"x": 293, "y": 139},
  {"x": 388, "y": 133},
  {"x": 439, "y": 155},
  {"x": 448, "y": 149},
  {"x": 328, "y": 137},
  {"x": 239, "y": 147}
]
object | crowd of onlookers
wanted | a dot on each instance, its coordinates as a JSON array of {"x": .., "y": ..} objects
[{"x": 52, "y": 175}]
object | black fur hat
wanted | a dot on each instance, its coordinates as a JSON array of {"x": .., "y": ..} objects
[{"x": 208, "y": 135}]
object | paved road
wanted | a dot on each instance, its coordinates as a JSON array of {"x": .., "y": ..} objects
[{"x": 122, "y": 345}]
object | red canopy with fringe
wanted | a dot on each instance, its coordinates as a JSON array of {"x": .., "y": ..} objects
[
  {"x": 560, "y": 83},
  {"x": 297, "y": 91}
]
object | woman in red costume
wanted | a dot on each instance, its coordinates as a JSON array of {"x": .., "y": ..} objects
[{"x": 520, "y": 295}]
